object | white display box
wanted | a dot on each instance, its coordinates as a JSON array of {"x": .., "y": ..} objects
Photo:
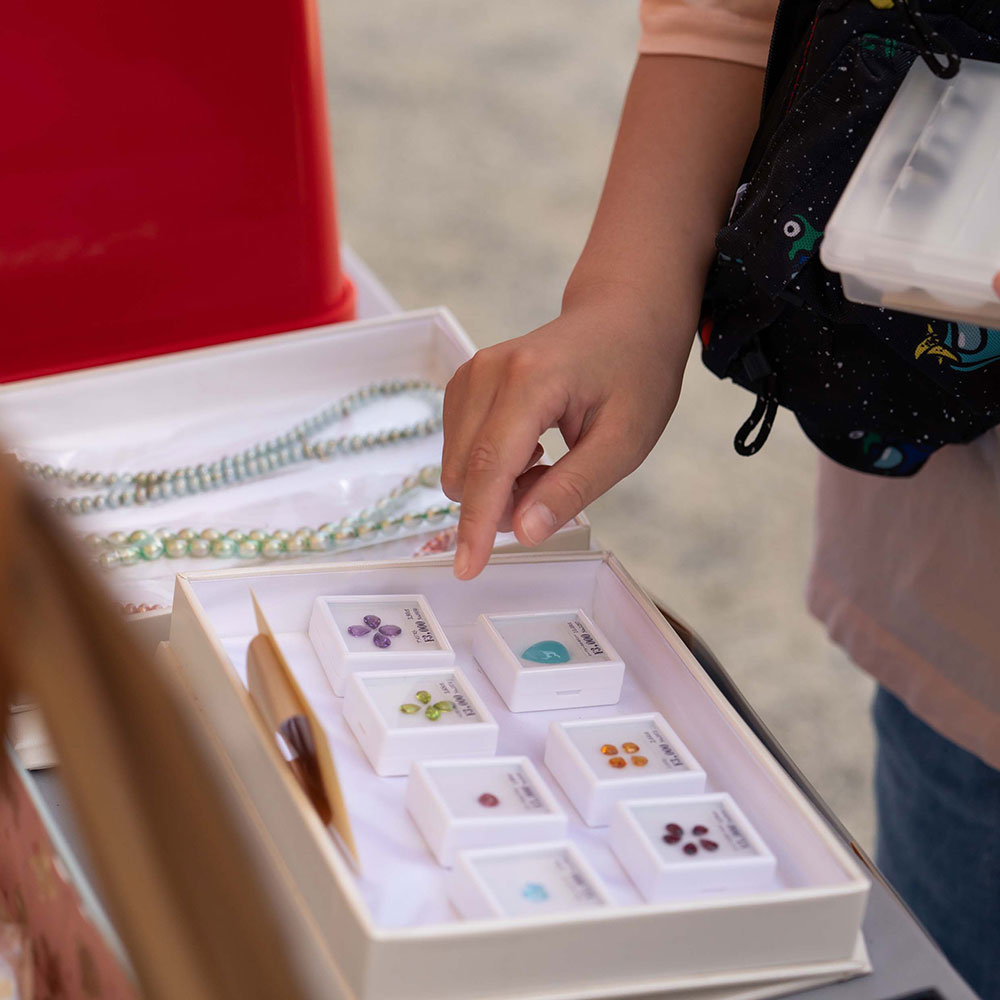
[
  {"x": 192, "y": 406},
  {"x": 376, "y": 632},
  {"x": 400, "y": 716},
  {"x": 465, "y": 804},
  {"x": 599, "y": 762},
  {"x": 686, "y": 846},
  {"x": 532, "y": 881},
  {"x": 393, "y": 917},
  {"x": 550, "y": 659}
]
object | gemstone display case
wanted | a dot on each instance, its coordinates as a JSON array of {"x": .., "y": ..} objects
[
  {"x": 399, "y": 716},
  {"x": 546, "y": 660},
  {"x": 393, "y": 915},
  {"x": 376, "y": 633},
  {"x": 534, "y": 881},
  {"x": 464, "y": 804},
  {"x": 691, "y": 845},
  {"x": 603, "y": 761}
]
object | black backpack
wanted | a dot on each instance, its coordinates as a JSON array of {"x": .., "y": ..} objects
[{"x": 876, "y": 390}]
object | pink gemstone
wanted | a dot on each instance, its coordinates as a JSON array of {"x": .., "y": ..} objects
[{"x": 358, "y": 630}]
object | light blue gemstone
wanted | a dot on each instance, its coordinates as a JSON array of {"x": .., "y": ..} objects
[
  {"x": 535, "y": 892},
  {"x": 546, "y": 651}
]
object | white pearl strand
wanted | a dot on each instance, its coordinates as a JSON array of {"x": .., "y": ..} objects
[
  {"x": 368, "y": 526},
  {"x": 127, "y": 489}
]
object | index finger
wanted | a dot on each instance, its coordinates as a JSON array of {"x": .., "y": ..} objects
[{"x": 505, "y": 443}]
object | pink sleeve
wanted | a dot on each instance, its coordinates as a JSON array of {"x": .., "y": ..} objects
[{"x": 730, "y": 30}]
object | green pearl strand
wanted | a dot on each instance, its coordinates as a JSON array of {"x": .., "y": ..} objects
[
  {"x": 295, "y": 446},
  {"x": 120, "y": 549}
]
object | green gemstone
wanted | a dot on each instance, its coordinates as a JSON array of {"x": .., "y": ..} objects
[
  {"x": 409, "y": 709},
  {"x": 445, "y": 706},
  {"x": 433, "y": 713},
  {"x": 424, "y": 697}
]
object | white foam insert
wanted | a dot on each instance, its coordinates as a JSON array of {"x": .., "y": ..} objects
[{"x": 402, "y": 885}]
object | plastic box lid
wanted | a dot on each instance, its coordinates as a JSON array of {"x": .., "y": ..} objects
[{"x": 916, "y": 228}]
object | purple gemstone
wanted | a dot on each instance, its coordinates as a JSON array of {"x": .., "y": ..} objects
[
  {"x": 382, "y": 641},
  {"x": 390, "y": 630},
  {"x": 358, "y": 630},
  {"x": 372, "y": 621}
]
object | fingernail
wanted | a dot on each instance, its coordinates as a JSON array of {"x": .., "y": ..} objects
[
  {"x": 461, "y": 566},
  {"x": 538, "y": 522}
]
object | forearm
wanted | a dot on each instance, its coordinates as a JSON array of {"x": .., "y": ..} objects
[{"x": 684, "y": 134}]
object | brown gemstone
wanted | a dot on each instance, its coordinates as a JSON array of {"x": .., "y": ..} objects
[
  {"x": 609, "y": 749},
  {"x": 690, "y": 849},
  {"x": 672, "y": 838},
  {"x": 709, "y": 845},
  {"x": 675, "y": 828},
  {"x": 639, "y": 760},
  {"x": 489, "y": 800},
  {"x": 617, "y": 761},
  {"x": 630, "y": 747},
  {"x": 699, "y": 830}
]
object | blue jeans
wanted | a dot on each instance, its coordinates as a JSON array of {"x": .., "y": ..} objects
[{"x": 939, "y": 839}]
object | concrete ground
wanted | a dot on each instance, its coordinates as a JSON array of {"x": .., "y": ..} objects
[{"x": 471, "y": 141}]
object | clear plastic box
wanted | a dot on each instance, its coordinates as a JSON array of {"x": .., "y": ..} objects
[{"x": 916, "y": 227}]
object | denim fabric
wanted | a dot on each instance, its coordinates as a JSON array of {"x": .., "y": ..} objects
[{"x": 939, "y": 839}]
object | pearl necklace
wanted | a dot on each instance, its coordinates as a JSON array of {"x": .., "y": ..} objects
[
  {"x": 368, "y": 526},
  {"x": 126, "y": 489}
]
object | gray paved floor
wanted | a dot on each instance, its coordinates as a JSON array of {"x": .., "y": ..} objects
[{"x": 471, "y": 141}]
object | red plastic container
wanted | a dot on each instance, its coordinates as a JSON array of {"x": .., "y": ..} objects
[{"x": 165, "y": 179}]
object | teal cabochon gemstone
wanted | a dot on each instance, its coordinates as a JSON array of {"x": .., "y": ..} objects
[{"x": 546, "y": 651}]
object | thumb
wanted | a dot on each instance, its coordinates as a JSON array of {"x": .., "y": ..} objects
[{"x": 561, "y": 491}]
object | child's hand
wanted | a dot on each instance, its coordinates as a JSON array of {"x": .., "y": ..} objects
[{"x": 604, "y": 373}]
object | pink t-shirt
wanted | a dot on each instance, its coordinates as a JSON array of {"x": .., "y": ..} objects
[{"x": 906, "y": 572}]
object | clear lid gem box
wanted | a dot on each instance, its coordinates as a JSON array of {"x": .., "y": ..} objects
[
  {"x": 399, "y": 716},
  {"x": 536, "y": 880},
  {"x": 549, "y": 660},
  {"x": 387, "y": 632},
  {"x": 493, "y": 802},
  {"x": 685, "y": 846},
  {"x": 599, "y": 762}
]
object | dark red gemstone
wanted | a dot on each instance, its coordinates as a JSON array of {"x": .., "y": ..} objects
[
  {"x": 672, "y": 838},
  {"x": 489, "y": 800},
  {"x": 709, "y": 845},
  {"x": 699, "y": 830},
  {"x": 690, "y": 849},
  {"x": 676, "y": 830}
]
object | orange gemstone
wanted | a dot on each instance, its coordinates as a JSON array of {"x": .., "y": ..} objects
[
  {"x": 639, "y": 760},
  {"x": 617, "y": 762},
  {"x": 630, "y": 747},
  {"x": 610, "y": 749}
]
